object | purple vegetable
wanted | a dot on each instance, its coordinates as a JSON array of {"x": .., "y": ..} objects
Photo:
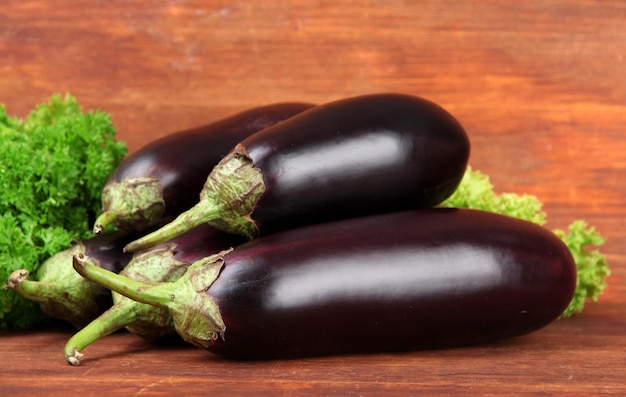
[
  {"x": 422, "y": 279},
  {"x": 353, "y": 157},
  {"x": 164, "y": 178}
]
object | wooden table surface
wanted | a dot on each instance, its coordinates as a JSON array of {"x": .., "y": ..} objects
[{"x": 540, "y": 87}]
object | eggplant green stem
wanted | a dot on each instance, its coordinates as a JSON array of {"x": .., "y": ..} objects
[
  {"x": 59, "y": 291},
  {"x": 147, "y": 321},
  {"x": 227, "y": 200},
  {"x": 35, "y": 291},
  {"x": 131, "y": 204},
  {"x": 196, "y": 317},
  {"x": 203, "y": 212},
  {"x": 156, "y": 293},
  {"x": 16, "y": 282},
  {"x": 117, "y": 317},
  {"x": 104, "y": 219},
  {"x": 51, "y": 298}
]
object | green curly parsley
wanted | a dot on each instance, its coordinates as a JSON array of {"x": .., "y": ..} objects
[
  {"x": 477, "y": 192},
  {"x": 53, "y": 166}
]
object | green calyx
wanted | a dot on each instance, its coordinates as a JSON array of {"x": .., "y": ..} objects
[
  {"x": 237, "y": 186},
  {"x": 132, "y": 204},
  {"x": 227, "y": 201},
  {"x": 60, "y": 291},
  {"x": 147, "y": 321},
  {"x": 196, "y": 316}
]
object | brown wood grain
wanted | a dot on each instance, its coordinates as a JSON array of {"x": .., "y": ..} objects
[{"x": 539, "y": 85}]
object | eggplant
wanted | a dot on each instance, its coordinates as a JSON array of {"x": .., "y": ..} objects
[
  {"x": 164, "y": 177},
  {"x": 404, "y": 281},
  {"x": 352, "y": 157},
  {"x": 166, "y": 262},
  {"x": 63, "y": 294}
]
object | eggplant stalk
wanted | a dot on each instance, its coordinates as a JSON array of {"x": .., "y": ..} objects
[
  {"x": 147, "y": 321},
  {"x": 63, "y": 295},
  {"x": 133, "y": 203},
  {"x": 196, "y": 317},
  {"x": 226, "y": 202}
]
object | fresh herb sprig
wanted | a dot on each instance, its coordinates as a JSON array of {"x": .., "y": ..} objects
[{"x": 53, "y": 166}]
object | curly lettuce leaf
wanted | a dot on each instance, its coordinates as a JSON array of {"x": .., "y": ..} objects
[
  {"x": 592, "y": 268},
  {"x": 477, "y": 192}
]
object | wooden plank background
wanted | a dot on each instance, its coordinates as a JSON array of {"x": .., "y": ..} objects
[{"x": 540, "y": 87}]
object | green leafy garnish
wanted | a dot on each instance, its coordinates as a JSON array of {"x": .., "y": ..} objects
[
  {"x": 53, "y": 166},
  {"x": 477, "y": 192},
  {"x": 591, "y": 265}
]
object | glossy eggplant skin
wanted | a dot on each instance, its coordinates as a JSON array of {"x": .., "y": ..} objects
[
  {"x": 201, "y": 241},
  {"x": 422, "y": 279},
  {"x": 354, "y": 157},
  {"x": 181, "y": 161},
  {"x": 107, "y": 250}
]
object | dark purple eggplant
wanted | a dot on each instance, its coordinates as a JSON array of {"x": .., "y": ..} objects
[
  {"x": 353, "y": 157},
  {"x": 61, "y": 292},
  {"x": 164, "y": 178},
  {"x": 405, "y": 281},
  {"x": 164, "y": 263}
]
